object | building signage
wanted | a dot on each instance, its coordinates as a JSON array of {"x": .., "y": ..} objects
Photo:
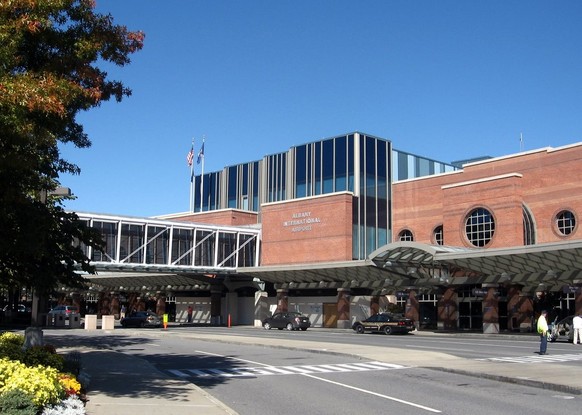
[
  {"x": 301, "y": 222},
  {"x": 482, "y": 292},
  {"x": 569, "y": 289}
]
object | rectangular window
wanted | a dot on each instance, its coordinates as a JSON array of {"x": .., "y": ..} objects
[
  {"x": 300, "y": 171},
  {"x": 327, "y": 169},
  {"x": 340, "y": 164}
]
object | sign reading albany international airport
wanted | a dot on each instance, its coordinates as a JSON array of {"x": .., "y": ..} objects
[
  {"x": 302, "y": 222},
  {"x": 314, "y": 229}
]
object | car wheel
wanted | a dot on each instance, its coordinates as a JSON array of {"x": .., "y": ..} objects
[
  {"x": 289, "y": 326},
  {"x": 267, "y": 326},
  {"x": 360, "y": 329},
  {"x": 387, "y": 330}
]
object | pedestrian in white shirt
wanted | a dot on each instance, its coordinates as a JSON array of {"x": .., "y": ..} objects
[{"x": 577, "y": 325}]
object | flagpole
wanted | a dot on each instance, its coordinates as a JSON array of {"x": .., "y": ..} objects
[
  {"x": 192, "y": 188},
  {"x": 201, "y": 154}
]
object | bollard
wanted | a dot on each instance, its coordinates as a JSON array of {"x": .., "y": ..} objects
[{"x": 165, "y": 321}]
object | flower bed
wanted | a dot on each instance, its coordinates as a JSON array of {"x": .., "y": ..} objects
[{"x": 37, "y": 380}]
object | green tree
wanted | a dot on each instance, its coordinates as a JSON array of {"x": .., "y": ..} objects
[{"x": 49, "y": 56}]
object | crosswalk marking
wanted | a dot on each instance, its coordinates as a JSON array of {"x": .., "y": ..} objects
[
  {"x": 536, "y": 358},
  {"x": 233, "y": 372}
]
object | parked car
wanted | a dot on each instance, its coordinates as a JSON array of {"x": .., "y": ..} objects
[
  {"x": 20, "y": 308},
  {"x": 288, "y": 320},
  {"x": 384, "y": 323},
  {"x": 562, "y": 330},
  {"x": 141, "y": 319},
  {"x": 64, "y": 309}
]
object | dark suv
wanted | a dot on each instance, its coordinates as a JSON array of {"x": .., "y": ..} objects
[{"x": 384, "y": 323}]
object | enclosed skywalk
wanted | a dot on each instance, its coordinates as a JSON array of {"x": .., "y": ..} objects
[{"x": 172, "y": 252}]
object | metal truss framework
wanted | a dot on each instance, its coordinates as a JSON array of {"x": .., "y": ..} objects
[{"x": 151, "y": 245}]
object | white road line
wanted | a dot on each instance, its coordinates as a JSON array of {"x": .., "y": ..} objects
[
  {"x": 535, "y": 359},
  {"x": 285, "y": 370},
  {"x": 279, "y": 370},
  {"x": 343, "y": 385}
]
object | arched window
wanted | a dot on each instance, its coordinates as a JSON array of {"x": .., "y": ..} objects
[
  {"x": 405, "y": 235},
  {"x": 529, "y": 229},
  {"x": 437, "y": 235}
]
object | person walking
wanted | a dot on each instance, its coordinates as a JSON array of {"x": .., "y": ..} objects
[
  {"x": 189, "y": 314},
  {"x": 577, "y": 326},
  {"x": 543, "y": 331}
]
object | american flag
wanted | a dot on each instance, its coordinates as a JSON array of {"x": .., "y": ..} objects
[{"x": 190, "y": 156}]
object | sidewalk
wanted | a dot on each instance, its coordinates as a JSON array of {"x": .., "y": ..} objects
[{"x": 120, "y": 384}]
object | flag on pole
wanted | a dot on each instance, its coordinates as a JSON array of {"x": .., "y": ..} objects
[
  {"x": 200, "y": 154},
  {"x": 190, "y": 156}
]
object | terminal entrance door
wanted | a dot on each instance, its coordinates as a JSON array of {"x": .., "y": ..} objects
[{"x": 470, "y": 314}]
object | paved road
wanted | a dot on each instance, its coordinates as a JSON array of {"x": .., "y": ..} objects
[
  {"x": 552, "y": 377},
  {"x": 252, "y": 379}
]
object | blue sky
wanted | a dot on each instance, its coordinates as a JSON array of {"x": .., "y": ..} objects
[{"x": 447, "y": 80}]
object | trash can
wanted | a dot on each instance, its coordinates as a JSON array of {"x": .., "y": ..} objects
[
  {"x": 74, "y": 320},
  {"x": 60, "y": 320}
]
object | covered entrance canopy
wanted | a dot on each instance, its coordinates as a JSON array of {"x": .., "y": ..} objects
[
  {"x": 411, "y": 264},
  {"x": 396, "y": 265}
]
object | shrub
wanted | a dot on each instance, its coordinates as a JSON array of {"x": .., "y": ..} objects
[
  {"x": 12, "y": 338},
  {"x": 15, "y": 402},
  {"x": 70, "y": 406},
  {"x": 11, "y": 345},
  {"x": 70, "y": 384},
  {"x": 40, "y": 383},
  {"x": 43, "y": 355}
]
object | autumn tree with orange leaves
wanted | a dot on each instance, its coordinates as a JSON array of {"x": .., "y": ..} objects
[{"x": 49, "y": 56}]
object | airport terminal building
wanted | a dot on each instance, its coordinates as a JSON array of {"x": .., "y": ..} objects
[{"x": 345, "y": 227}]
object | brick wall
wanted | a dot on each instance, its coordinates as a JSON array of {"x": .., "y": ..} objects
[
  {"x": 546, "y": 181},
  {"x": 316, "y": 229},
  {"x": 225, "y": 217}
]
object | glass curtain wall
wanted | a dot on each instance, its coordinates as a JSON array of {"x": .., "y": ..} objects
[
  {"x": 207, "y": 192},
  {"x": 324, "y": 167},
  {"x": 372, "y": 216}
]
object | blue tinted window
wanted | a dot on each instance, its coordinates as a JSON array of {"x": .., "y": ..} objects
[
  {"x": 328, "y": 166},
  {"x": 317, "y": 163},
  {"x": 232, "y": 176},
  {"x": 300, "y": 169},
  {"x": 402, "y": 166},
  {"x": 340, "y": 164},
  {"x": 351, "y": 163}
]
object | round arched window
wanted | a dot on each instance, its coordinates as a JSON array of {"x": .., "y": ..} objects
[
  {"x": 565, "y": 222},
  {"x": 479, "y": 227},
  {"x": 405, "y": 235}
]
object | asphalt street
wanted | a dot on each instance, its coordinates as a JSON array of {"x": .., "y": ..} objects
[{"x": 242, "y": 368}]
